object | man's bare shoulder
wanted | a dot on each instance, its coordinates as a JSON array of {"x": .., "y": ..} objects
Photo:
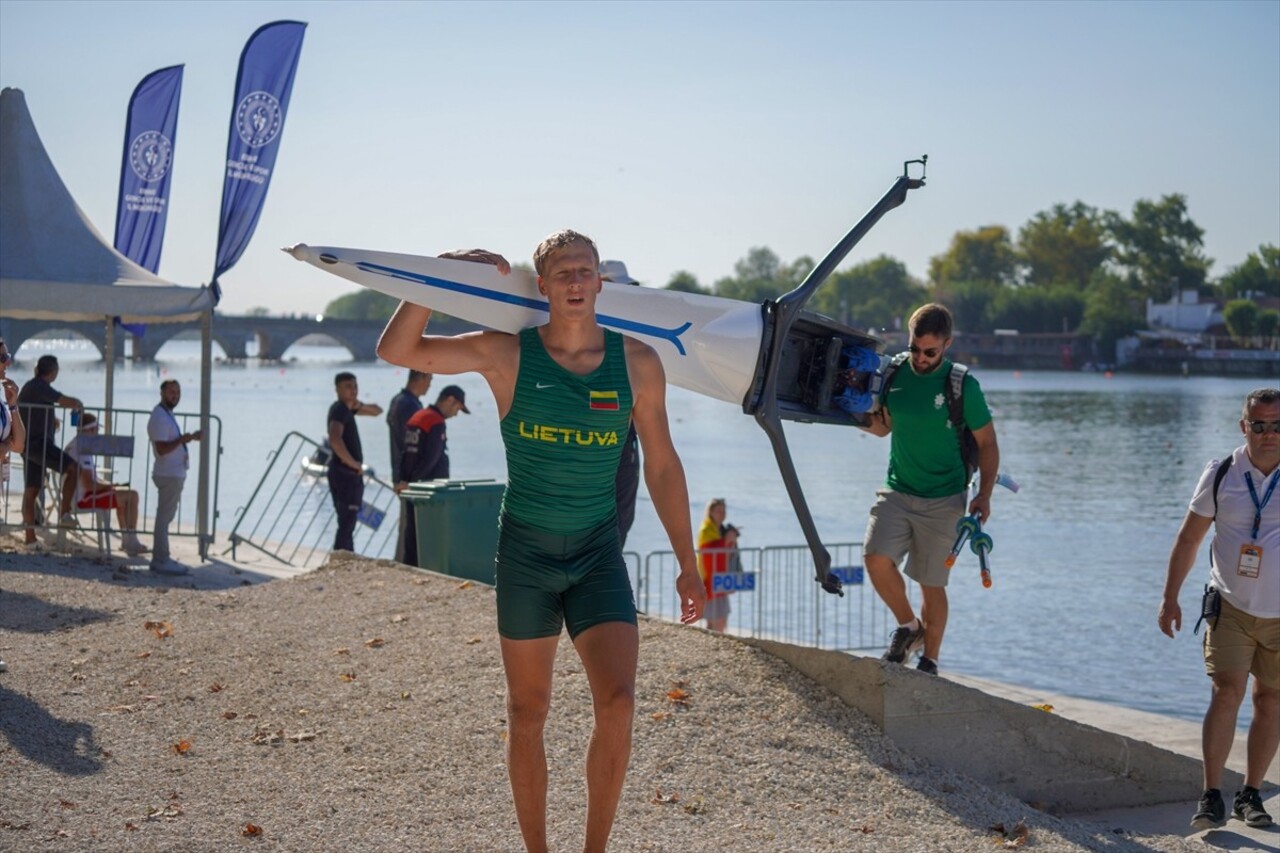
[
  {"x": 638, "y": 349},
  {"x": 643, "y": 365}
]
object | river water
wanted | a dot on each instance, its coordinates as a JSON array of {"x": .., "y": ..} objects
[{"x": 1106, "y": 466}]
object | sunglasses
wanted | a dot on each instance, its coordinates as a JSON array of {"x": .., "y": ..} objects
[
  {"x": 931, "y": 352},
  {"x": 1259, "y": 427},
  {"x": 5, "y": 358}
]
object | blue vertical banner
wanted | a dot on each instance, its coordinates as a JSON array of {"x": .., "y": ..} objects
[
  {"x": 150, "y": 131},
  {"x": 263, "y": 85}
]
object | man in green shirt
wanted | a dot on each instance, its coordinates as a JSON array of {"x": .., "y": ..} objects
[
  {"x": 915, "y": 515},
  {"x": 566, "y": 393}
]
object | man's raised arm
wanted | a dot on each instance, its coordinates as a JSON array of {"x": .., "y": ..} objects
[{"x": 404, "y": 343}]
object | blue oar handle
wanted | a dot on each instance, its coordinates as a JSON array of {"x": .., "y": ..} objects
[{"x": 965, "y": 527}]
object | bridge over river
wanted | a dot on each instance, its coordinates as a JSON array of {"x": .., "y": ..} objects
[{"x": 273, "y": 335}]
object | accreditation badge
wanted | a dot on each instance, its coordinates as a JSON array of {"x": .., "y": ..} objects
[{"x": 1250, "y": 561}]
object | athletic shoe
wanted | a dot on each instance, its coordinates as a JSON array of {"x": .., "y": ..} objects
[
  {"x": 169, "y": 567},
  {"x": 1212, "y": 811},
  {"x": 927, "y": 665},
  {"x": 69, "y": 522},
  {"x": 903, "y": 643},
  {"x": 1248, "y": 807}
]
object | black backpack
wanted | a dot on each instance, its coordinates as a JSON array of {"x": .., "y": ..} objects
[
  {"x": 1211, "y": 603},
  {"x": 954, "y": 392},
  {"x": 1223, "y": 466}
]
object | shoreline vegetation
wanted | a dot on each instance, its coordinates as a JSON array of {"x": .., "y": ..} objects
[{"x": 361, "y": 707}]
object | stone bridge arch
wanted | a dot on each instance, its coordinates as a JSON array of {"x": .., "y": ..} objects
[
  {"x": 274, "y": 334},
  {"x": 18, "y": 332}
]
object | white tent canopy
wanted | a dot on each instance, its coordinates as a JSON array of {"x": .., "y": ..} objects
[{"x": 53, "y": 263}]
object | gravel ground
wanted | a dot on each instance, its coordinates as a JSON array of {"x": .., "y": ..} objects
[{"x": 360, "y": 708}]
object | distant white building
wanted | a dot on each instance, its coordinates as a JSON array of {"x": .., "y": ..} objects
[{"x": 1184, "y": 313}]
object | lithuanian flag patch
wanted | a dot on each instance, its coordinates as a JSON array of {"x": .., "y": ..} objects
[{"x": 605, "y": 401}]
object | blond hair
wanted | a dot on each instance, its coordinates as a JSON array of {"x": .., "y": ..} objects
[{"x": 557, "y": 241}]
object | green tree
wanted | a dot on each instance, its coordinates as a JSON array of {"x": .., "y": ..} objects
[
  {"x": 1063, "y": 245},
  {"x": 1111, "y": 311},
  {"x": 1036, "y": 309},
  {"x": 1160, "y": 247},
  {"x": 1268, "y": 323},
  {"x": 1258, "y": 275},
  {"x": 363, "y": 304},
  {"x": 761, "y": 275},
  {"x": 986, "y": 254},
  {"x": 969, "y": 302},
  {"x": 878, "y": 293},
  {"x": 1241, "y": 317},
  {"x": 686, "y": 282}
]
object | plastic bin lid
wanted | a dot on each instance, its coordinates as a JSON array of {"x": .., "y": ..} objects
[{"x": 433, "y": 486}]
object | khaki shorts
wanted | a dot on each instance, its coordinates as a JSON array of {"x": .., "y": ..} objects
[
  {"x": 1239, "y": 642},
  {"x": 922, "y": 530}
]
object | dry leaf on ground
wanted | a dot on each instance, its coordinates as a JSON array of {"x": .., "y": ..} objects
[
  {"x": 1018, "y": 836},
  {"x": 160, "y": 629}
]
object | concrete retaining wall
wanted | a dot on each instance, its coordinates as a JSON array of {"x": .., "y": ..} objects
[{"x": 1057, "y": 765}]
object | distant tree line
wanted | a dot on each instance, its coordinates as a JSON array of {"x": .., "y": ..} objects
[{"x": 1072, "y": 269}]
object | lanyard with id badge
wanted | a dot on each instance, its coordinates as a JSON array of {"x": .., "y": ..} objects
[{"x": 1251, "y": 553}]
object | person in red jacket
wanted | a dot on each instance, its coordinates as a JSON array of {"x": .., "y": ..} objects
[{"x": 716, "y": 542}]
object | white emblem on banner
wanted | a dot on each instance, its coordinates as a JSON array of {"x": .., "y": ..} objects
[
  {"x": 150, "y": 155},
  {"x": 258, "y": 119}
]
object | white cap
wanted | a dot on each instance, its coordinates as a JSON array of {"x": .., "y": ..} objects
[{"x": 616, "y": 271}]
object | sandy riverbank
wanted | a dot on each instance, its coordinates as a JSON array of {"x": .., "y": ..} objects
[{"x": 360, "y": 707}]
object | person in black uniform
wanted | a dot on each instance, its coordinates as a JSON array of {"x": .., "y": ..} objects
[
  {"x": 346, "y": 464},
  {"x": 426, "y": 457},
  {"x": 403, "y": 406}
]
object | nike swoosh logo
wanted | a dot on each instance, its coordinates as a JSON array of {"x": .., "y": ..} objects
[
  {"x": 542, "y": 387},
  {"x": 891, "y": 390}
]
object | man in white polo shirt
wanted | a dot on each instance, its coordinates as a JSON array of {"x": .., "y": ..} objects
[
  {"x": 1237, "y": 497},
  {"x": 168, "y": 472}
]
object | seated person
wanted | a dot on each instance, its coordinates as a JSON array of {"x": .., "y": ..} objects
[{"x": 94, "y": 493}]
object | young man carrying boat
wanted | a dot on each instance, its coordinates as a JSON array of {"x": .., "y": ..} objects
[{"x": 566, "y": 393}]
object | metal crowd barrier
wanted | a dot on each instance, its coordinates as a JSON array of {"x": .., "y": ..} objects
[
  {"x": 774, "y": 596},
  {"x": 124, "y": 456},
  {"x": 290, "y": 514}
]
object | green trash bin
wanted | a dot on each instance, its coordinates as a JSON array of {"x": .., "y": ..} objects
[{"x": 457, "y": 526}]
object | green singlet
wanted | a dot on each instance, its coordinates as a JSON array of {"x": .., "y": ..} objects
[
  {"x": 924, "y": 454},
  {"x": 564, "y": 436}
]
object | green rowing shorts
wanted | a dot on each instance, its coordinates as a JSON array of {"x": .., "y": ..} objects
[{"x": 546, "y": 581}]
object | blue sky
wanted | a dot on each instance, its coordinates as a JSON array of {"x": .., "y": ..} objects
[{"x": 678, "y": 135}]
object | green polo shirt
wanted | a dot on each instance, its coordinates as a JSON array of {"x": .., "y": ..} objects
[{"x": 924, "y": 449}]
